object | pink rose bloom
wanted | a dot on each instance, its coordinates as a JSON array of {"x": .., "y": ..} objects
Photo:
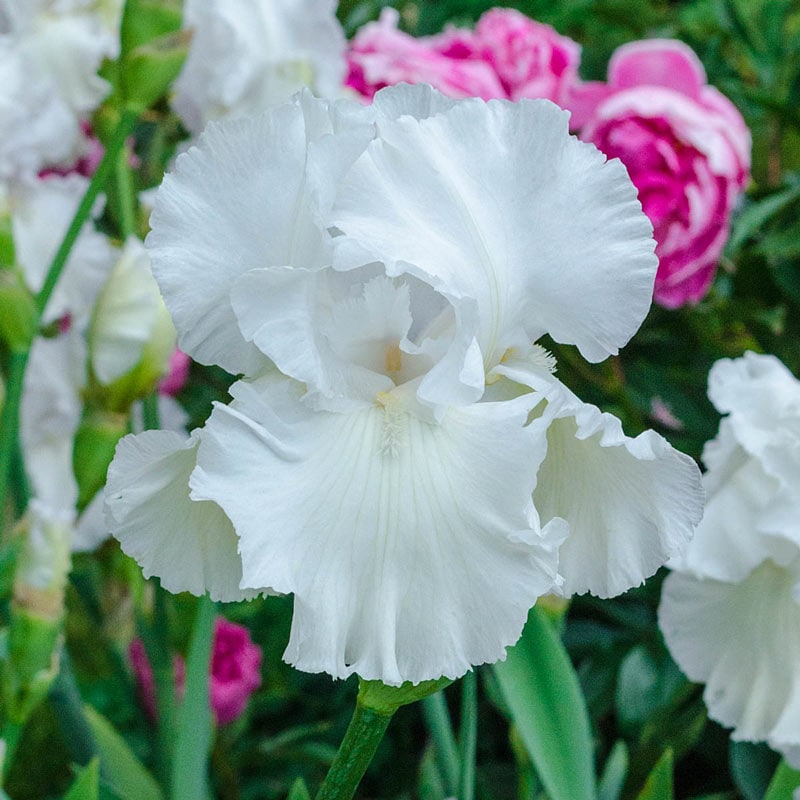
[
  {"x": 531, "y": 59},
  {"x": 686, "y": 148},
  {"x": 235, "y": 672},
  {"x": 381, "y": 55},
  {"x": 177, "y": 374}
]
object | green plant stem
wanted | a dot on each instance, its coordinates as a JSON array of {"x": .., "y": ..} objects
[
  {"x": 437, "y": 718},
  {"x": 360, "y": 742},
  {"x": 468, "y": 736},
  {"x": 124, "y": 129},
  {"x": 126, "y": 194},
  {"x": 9, "y": 423},
  {"x": 150, "y": 416}
]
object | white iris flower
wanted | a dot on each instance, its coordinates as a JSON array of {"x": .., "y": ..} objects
[
  {"x": 730, "y": 612},
  {"x": 398, "y": 453}
]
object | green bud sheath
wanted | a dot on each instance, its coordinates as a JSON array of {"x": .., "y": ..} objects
[
  {"x": 18, "y": 314},
  {"x": 95, "y": 442}
]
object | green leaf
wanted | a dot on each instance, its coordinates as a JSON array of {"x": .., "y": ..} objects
[
  {"x": 752, "y": 766},
  {"x": 87, "y": 784},
  {"x": 643, "y": 686},
  {"x": 195, "y": 726},
  {"x": 299, "y": 791},
  {"x": 783, "y": 783},
  {"x": 120, "y": 770},
  {"x": 758, "y": 214},
  {"x": 658, "y": 785},
  {"x": 614, "y": 773},
  {"x": 541, "y": 689},
  {"x": 445, "y": 749},
  {"x": 430, "y": 785}
]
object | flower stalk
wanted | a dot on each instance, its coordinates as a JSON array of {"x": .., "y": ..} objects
[
  {"x": 355, "y": 754},
  {"x": 375, "y": 707}
]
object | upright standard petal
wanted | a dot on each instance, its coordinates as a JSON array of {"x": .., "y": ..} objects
[
  {"x": 413, "y": 549},
  {"x": 190, "y": 545},
  {"x": 497, "y": 202},
  {"x": 238, "y": 201}
]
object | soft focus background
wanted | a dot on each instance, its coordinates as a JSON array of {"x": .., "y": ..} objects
[{"x": 643, "y": 713}]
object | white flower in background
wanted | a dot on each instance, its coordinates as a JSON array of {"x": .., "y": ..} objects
[
  {"x": 247, "y": 55},
  {"x": 41, "y": 211},
  {"x": 730, "y": 613},
  {"x": 399, "y": 454},
  {"x": 129, "y": 343},
  {"x": 66, "y": 41},
  {"x": 37, "y": 128},
  {"x": 50, "y": 413}
]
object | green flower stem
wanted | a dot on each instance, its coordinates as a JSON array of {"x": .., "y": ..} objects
[
  {"x": 9, "y": 421},
  {"x": 360, "y": 742},
  {"x": 126, "y": 194},
  {"x": 150, "y": 415},
  {"x": 117, "y": 142},
  {"x": 9, "y": 418}
]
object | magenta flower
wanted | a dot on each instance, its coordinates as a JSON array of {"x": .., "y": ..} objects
[
  {"x": 687, "y": 150},
  {"x": 177, "y": 374},
  {"x": 508, "y": 56},
  {"x": 235, "y": 672},
  {"x": 531, "y": 59},
  {"x": 381, "y": 55}
]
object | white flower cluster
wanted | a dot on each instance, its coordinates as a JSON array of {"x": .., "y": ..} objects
[
  {"x": 730, "y": 613},
  {"x": 114, "y": 329},
  {"x": 399, "y": 454},
  {"x": 50, "y": 51}
]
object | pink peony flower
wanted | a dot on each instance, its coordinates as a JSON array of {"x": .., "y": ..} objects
[
  {"x": 531, "y": 59},
  {"x": 381, "y": 55},
  {"x": 177, "y": 374},
  {"x": 686, "y": 148},
  {"x": 235, "y": 672},
  {"x": 508, "y": 55}
]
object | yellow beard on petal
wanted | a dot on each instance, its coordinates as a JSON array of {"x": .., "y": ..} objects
[{"x": 394, "y": 429}]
